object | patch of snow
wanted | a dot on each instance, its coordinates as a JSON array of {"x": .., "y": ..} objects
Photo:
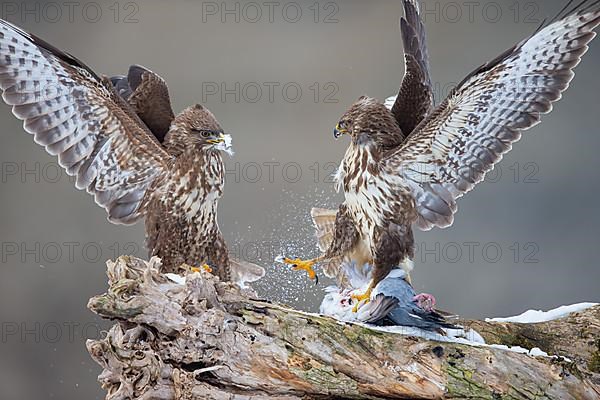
[
  {"x": 461, "y": 336},
  {"x": 537, "y": 352},
  {"x": 471, "y": 335},
  {"x": 536, "y": 316},
  {"x": 469, "y": 338}
]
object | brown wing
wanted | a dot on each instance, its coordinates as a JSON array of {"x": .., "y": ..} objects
[
  {"x": 148, "y": 95},
  {"x": 78, "y": 117},
  {"x": 451, "y": 151},
  {"x": 324, "y": 223},
  {"x": 415, "y": 98},
  {"x": 337, "y": 237}
]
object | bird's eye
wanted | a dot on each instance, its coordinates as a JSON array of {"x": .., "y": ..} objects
[{"x": 204, "y": 133}]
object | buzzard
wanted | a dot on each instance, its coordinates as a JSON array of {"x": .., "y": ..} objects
[
  {"x": 121, "y": 140},
  {"x": 409, "y": 165}
]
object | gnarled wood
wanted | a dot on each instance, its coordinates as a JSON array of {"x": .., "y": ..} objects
[{"x": 207, "y": 339}]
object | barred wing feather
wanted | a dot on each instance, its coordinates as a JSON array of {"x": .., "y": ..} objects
[
  {"x": 453, "y": 148},
  {"x": 415, "y": 97},
  {"x": 78, "y": 117}
]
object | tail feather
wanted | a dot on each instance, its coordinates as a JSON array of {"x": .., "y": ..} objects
[
  {"x": 324, "y": 221},
  {"x": 431, "y": 321},
  {"x": 243, "y": 272}
]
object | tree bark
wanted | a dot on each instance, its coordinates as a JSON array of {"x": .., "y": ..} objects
[{"x": 207, "y": 339}]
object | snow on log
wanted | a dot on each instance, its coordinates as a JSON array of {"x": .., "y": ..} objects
[{"x": 200, "y": 338}]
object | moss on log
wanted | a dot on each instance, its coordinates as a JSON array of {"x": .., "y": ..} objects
[{"x": 207, "y": 339}]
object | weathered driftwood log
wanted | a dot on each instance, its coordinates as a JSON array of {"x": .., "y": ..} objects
[{"x": 207, "y": 339}]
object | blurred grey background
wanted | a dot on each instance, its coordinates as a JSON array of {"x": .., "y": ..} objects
[{"x": 278, "y": 77}]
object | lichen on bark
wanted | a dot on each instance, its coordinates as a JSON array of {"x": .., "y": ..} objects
[{"x": 207, "y": 339}]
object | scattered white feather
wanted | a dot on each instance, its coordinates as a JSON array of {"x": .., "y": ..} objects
[
  {"x": 338, "y": 302},
  {"x": 226, "y": 146},
  {"x": 176, "y": 278},
  {"x": 536, "y": 316}
]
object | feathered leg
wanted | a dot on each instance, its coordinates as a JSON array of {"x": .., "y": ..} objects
[
  {"x": 392, "y": 245},
  {"x": 218, "y": 257}
]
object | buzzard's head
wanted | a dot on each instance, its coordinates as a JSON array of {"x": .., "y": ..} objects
[
  {"x": 197, "y": 127},
  {"x": 368, "y": 122}
]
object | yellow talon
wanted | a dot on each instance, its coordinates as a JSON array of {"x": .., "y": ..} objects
[
  {"x": 366, "y": 297},
  {"x": 301, "y": 265},
  {"x": 205, "y": 267}
]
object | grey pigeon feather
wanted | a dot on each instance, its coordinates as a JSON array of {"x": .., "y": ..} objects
[
  {"x": 392, "y": 301},
  {"x": 407, "y": 312}
]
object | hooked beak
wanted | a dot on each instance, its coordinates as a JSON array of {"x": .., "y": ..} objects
[
  {"x": 337, "y": 131},
  {"x": 223, "y": 142},
  {"x": 220, "y": 139}
]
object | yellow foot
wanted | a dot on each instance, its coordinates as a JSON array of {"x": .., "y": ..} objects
[
  {"x": 205, "y": 267},
  {"x": 301, "y": 265},
  {"x": 366, "y": 297}
]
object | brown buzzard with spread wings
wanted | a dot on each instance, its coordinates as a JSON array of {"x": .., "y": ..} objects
[
  {"x": 410, "y": 165},
  {"x": 121, "y": 140}
]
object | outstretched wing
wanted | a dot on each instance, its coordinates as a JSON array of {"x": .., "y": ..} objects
[
  {"x": 148, "y": 95},
  {"x": 415, "y": 98},
  {"x": 78, "y": 117},
  {"x": 451, "y": 151}
]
